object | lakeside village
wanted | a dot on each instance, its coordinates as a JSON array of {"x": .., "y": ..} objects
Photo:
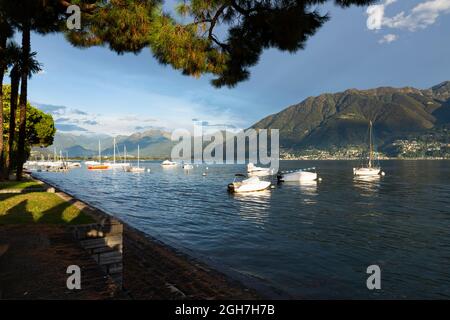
[{"x": 399, "y": 149}]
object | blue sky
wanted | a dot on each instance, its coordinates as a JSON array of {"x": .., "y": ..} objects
[{"x": 396, "y": 43}]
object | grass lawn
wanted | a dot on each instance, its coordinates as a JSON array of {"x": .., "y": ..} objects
[
  {"x": 19, "y": 185},
  {"x": 39, "y": 207}
]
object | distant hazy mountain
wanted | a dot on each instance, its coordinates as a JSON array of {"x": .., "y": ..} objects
[
  {"x": 153, "y": 143},
  {"x": 64, "y": 141},
  {"x": 341, "y": 119}
]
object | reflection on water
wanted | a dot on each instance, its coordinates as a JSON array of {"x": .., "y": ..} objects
[
  {"x": 368, "y": 185},
  {"x": 309, "y": 240},
  {"x": 253, "y": 206}
]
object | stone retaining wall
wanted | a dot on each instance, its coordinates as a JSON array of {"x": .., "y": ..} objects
[{"x": 103, "y": 239}]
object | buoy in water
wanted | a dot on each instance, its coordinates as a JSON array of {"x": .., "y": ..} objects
[
  {"x": 320, "y": 179},
  {"x": 383, "y": 173}
]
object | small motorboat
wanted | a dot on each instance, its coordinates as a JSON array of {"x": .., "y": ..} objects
[
  {"x": 253, "y": 170},
  {"x": 297, "y": 176},
  {"x": 188, "y": 166},
  {"x": 99, "y": 167},
  {"x": 168, "y": 164},
  {"x": 248, "y": 185}
]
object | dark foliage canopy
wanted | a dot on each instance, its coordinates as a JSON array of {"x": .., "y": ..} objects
[{"x": 220, "y": 37}]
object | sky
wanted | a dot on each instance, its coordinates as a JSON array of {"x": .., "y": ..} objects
[{"x": 392, "y": 43}]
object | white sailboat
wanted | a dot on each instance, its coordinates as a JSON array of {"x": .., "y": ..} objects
[
  {"x": 369, "y": 168},
  {"x": 118, "y": 165},
  {"x": 135, "y": 169}
]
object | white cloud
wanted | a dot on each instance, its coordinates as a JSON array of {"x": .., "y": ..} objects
[
  {"x": 80, "y": 122},
  {"x": 421, "y": 16},
  {"x": 388, "y": 38},
  {"x": 375, "y": 14}
]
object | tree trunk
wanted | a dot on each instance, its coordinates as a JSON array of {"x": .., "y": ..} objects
[
  {"x": 2, "y": 73},
  {"x": 15, "y": 81},
  {"x": 26, "y": 48}
]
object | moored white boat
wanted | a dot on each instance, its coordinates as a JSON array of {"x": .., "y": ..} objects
[
  {"x": 253, "y": 170},
  {"x": 297, "y": 176},
  {"x": 73, "y": 164},
  {"x": 188, "y": 166},
  {"x": 98, "y": 166},
  {"x": 118, "y": 165},
  {"x": 91, "y": 163},
  {"x": 134, "y": 169},
  {"x": 138, "y": 168},
  {"x": 369, "y": 169},
  {"x": 168, "y": 163},
  {"x": 366, "y": 171},
  {"x": 251, "y": 184}
]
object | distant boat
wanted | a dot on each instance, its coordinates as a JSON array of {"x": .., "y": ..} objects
[
  {"x": 369, "y": 168},
  {"x": 135, "y": 169},
  {"x": 168, "y": 163},
  {"x": 248, "y": 185},
  {"x": 253, "y": 170},
  {"x": 99, "y": 166},
  {"x": 297, "y": 176},
  {"x": 91, "y": 163},
  {"x": 188, "y": 166}
]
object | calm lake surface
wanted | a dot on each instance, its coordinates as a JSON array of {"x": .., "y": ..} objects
[{"x": 308, "y": 241}]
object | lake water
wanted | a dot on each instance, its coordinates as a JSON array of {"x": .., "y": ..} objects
[{"x": 308, "y": 241}]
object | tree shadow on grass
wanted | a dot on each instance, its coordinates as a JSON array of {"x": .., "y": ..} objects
[
  {"x": 62, "y": 213},
  {"x": 17, "y": 214}
]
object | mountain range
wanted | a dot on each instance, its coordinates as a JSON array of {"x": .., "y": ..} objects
[
  {"x": 152, "y": 143},
  {"x": 322, "y": 122},
  {"x": 341, "y": 119}
]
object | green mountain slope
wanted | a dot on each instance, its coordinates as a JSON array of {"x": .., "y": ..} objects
[{"x": 341, "y": 119}]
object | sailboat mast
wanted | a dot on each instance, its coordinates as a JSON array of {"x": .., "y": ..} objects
[
  {"x": 99, "y": 154},
  {"x": 138, "y": 155},
  {"x": 370, "y": 145},
  {"x": 114, "y": 157}
]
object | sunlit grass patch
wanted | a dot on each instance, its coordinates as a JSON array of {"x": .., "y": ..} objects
[
  {"x": 19, "y": 185},
  {"x": 39, "y": 207}
]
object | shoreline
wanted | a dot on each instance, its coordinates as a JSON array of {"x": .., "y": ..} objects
[
  {"x": 381, "y": 159},
  {"x": 139, "y": 252}
]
